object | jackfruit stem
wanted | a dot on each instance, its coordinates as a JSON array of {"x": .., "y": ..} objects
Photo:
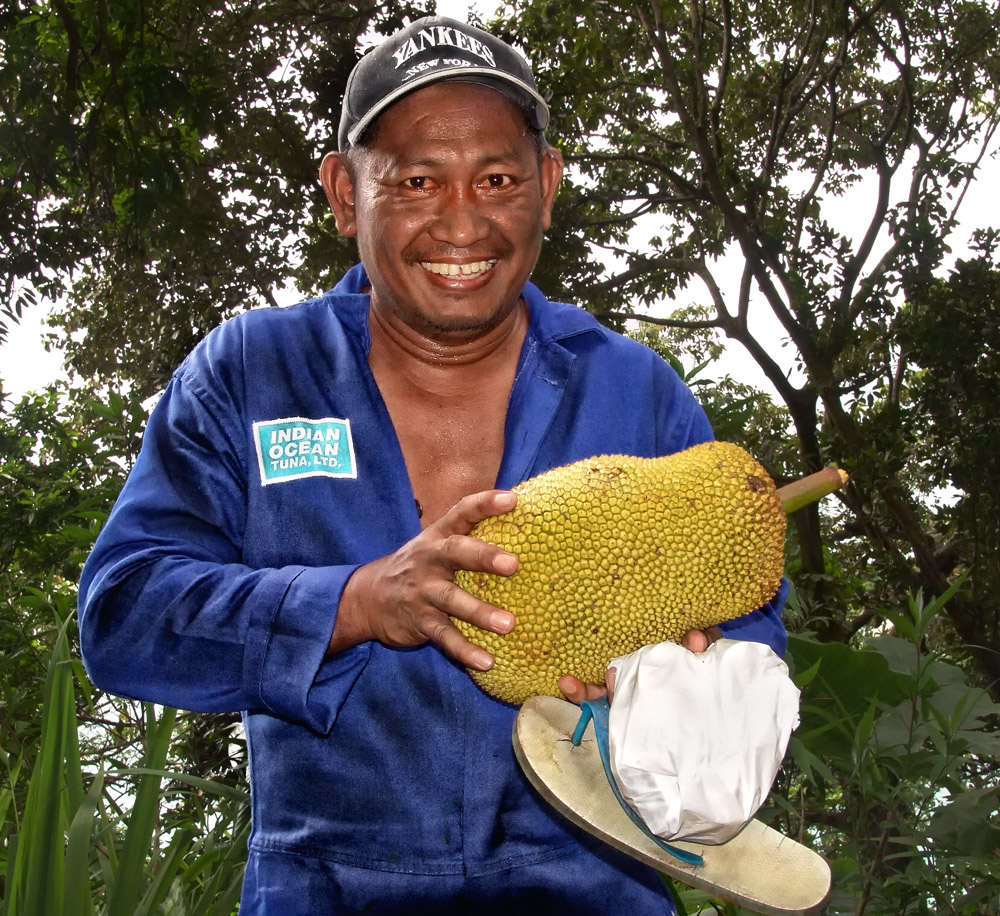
[{"x": 808, "y": 489}]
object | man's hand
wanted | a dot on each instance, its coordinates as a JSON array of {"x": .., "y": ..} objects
[
  {"x": 576, "y": 691},
  {"x": 699, "y": 640},
  {"x": 406, "y": 598}
]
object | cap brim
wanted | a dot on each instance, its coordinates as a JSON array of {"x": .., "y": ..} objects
[{"x": 538, "y": 115}]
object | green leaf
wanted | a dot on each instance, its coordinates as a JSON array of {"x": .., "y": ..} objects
[
  {"x": 130, "y": 876},
  {"x": 77, "y": 901},
  {"x": 37, "y": 879},
  {"x": 208, "y": 786}
]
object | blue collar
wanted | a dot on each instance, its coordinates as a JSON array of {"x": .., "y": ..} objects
[{"x": 549, "y": 321}]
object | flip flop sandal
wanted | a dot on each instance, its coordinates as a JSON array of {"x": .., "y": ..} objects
[
  {"x": 759, "y": 869},
  {"x": 596, "y": 712}
]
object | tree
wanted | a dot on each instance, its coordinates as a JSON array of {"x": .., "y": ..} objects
[
  {"x": 951, "y": 419},
  {"x": 158, "y": 165},
  {"x": 157, "y": 173},
  {"x": 891, "y": 773},
  {"x": 157, "y": 170},
  {"x": 56, "y": 487},
  {"x": 731, "y": 127}
]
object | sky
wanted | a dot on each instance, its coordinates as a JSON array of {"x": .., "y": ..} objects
[{"x": 25, "y": 364}]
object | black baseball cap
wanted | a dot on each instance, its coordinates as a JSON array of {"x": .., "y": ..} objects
[{"x": 427, "y": 51}]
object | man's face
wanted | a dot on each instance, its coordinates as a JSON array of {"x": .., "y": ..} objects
[{"x": 449, "y": 204}]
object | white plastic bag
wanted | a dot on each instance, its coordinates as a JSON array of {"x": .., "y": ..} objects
[{"x": 696, "y": 739}]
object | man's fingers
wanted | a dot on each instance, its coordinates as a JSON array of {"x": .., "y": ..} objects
[
  {"x": 456, "y": 602},
  {"x": 695, "y": 641},
  {"x": 609, "y": 682},
  {"x": 463, "y": 552},
  {"x": 456, "y": 550},
  {"x": 411, "y": 594},
  {"x": 447, "y": 636},
  {"x": 576, "y": 691},
  {"x": 470, "y": 510},
  {"x": 452, "y": 601},
  {"x": 699, "y": 640},
  {"x": 464, "y": 652}
]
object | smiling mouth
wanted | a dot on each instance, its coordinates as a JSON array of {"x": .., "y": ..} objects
[{"x": 464, "y": 271}]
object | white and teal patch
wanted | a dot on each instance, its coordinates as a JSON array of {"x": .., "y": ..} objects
[{"x": 294, "y": 447}]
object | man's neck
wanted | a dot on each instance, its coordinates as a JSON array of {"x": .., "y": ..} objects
[
  {"x": 448, "y": 405},
  {"x": 445, "y": 363}
]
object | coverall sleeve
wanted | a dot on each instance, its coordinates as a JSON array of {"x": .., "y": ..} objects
[
  {"x": 168, "y": 610},
  {"x": 763, "y": 625}
]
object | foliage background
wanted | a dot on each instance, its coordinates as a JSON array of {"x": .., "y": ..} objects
[{"x": 157, "y": 174}]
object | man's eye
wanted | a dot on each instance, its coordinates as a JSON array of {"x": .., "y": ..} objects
[
  {"x": 498, "y": 181},
  {"x": 416, "y": 183}
]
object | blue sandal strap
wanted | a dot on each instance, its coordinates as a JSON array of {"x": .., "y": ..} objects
[{"x": 597, "y": 711}]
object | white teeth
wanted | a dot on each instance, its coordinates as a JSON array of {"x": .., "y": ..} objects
[{"x": 458, "y": 270}]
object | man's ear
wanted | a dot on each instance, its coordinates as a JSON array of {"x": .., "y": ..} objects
[
  {"x": 550, "y": 169},
  {"x": 339, "y": 187}
]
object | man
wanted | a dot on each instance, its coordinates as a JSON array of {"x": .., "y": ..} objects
[{"x": 287, "y": 541}]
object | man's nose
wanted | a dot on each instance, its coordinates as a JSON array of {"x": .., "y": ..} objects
[{"x": 461, "y": 219}]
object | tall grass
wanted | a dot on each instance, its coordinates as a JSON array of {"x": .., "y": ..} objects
[{"x": 80, "y": 849}]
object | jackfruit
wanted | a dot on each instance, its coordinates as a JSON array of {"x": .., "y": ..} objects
[{"x": 618, "y": 552}]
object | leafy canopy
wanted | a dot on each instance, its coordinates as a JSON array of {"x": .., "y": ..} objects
[{"x": 158, "y": 166}]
